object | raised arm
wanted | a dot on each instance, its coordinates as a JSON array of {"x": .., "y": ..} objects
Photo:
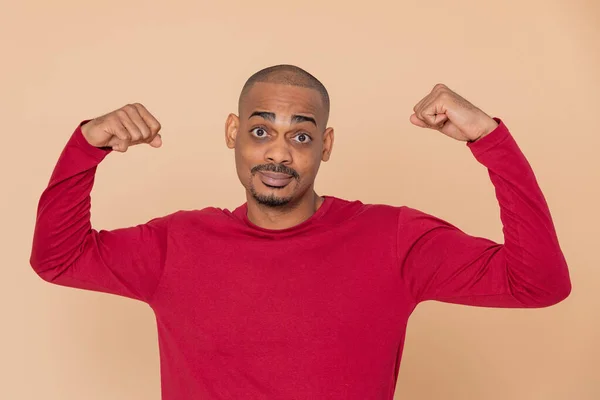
[
  {"x": 440, "y": 262},
  {"x": 66, "y": 249}
]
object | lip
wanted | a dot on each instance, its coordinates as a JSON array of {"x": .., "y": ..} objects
[{"x": 276, "y": 179}]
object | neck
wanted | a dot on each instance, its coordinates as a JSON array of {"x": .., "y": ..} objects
[{"x": 286, "y": 216}]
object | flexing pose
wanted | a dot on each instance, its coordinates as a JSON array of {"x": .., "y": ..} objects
[{"x": 294, "y": 295}]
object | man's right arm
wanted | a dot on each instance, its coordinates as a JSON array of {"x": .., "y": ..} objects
[{"x": 66, "y": 249}]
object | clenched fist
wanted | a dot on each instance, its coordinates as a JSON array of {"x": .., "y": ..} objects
[
  {"x": 130, "y": 125},
  {"x": 449, "y": 113}
]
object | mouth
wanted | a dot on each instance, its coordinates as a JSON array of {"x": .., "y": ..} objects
[{"x": 275, "y": 180}]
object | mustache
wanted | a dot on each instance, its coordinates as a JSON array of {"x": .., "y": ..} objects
[{"x": 279, "y": 168}]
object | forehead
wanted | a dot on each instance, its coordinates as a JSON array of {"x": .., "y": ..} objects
[{"x": 282, "y": 99}]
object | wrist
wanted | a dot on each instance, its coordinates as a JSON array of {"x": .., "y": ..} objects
[
  {"x": 488, "y": 127},
  {"x": 84, "y": 126}
]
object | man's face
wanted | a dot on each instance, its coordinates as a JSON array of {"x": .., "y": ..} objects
[{"x": 279, "y": 139}]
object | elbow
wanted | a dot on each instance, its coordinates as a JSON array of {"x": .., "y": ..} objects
[
  {"x": 554, "y": 291},
  {"x": 44, "y": 273},
  {"x": 51, "y": 256},
  {"x": 559, "y": 283},
  {"x": 48, "y": 272},
  {"x": 558, "y": 294},
  {"x": 563, "y": 291},
  {"x": 543, "y": 284},
  {"x": 40, "y": 261}
]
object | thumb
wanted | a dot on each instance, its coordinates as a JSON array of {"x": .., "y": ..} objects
[
  {"x": 117, "y": 144},
  {"x": 416, "y": 121},
  {"x": 156, "y": 142}
]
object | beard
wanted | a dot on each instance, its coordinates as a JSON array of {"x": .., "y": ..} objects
[{"x": 272, "y": 200}]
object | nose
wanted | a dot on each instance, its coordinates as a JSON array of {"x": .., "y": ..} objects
[{"x": 279, "y": 153}]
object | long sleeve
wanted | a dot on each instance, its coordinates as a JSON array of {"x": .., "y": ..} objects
[
  {"x": 440, "y": 262},
  {"x": 66, "y": 249}
]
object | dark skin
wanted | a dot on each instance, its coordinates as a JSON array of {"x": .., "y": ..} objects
[{"x": 281, "y": 130}]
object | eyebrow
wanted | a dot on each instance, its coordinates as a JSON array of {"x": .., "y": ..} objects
[{"x": 270, "y": 116}]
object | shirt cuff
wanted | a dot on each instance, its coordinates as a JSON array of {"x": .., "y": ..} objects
[
  {"x": 490, "y": 140},
  {"x": 79, "y": 141}
]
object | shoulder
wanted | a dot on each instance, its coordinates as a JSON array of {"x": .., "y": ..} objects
[
  {"x": 400, "y": 214},
  {"x": 207, "y": 216},
  {"x": 346, "y": 209}
]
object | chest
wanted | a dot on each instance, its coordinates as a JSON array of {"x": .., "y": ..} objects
[{"x": 263, "y": 295}]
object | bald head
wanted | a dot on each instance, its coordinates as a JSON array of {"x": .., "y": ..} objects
[{"x": 287, "y": 75}]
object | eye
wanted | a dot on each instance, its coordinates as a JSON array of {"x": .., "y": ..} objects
[
  {"x": 259, "y": 132},
  {"x": 302, "y": 138}
]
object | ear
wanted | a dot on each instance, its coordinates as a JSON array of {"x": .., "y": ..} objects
[
  {"x": 328, "y": 137},
  {"x": 232, "y": 125}
]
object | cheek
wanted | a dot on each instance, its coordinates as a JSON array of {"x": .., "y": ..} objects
[
  {"x": 247, "y": 156},
  {"x": 308, "y": 164},
  {"x": 243, "y": 164}
]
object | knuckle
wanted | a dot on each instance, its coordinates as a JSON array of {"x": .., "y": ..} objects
[
  {"x": 143, "y": 126},
  {"x": 445, "y": 95},
  {"x": 121, "y": 113},
  {"x": 153, "y": 126}
]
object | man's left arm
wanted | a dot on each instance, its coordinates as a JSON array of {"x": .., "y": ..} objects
[{"x": 440, "y": 262}]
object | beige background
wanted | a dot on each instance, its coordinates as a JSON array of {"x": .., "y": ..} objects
[{"x": 533, "y": 63}]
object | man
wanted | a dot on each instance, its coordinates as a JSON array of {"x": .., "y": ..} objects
[{"x": 293, "y": 295}]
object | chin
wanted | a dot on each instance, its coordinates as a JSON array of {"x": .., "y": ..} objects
[
  {"x": 272, "y": 199},
  {"x": 273, "y": 196}
]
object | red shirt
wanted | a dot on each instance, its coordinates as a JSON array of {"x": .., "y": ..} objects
[{"x": 316, "y": 311}]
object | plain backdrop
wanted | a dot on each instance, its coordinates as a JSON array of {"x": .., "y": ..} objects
[{"x": 535, "y": 64}]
